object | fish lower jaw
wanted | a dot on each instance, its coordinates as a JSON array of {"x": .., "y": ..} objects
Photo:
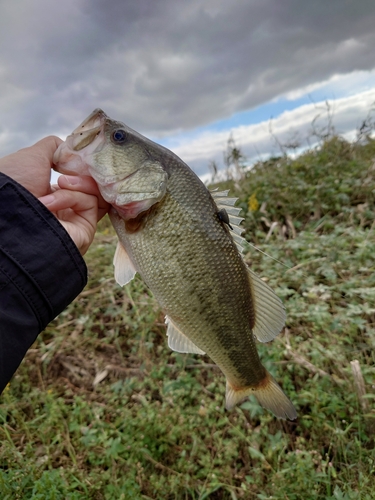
[{"x": 68, "y": 163}]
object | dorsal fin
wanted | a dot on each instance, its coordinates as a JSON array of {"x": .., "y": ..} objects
[
  {"x": 179, "y": 342},
  {"x": 269, "y": 310},
  {"x": 224, "y": 203}
]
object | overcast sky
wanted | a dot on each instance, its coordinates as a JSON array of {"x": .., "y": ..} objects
[{"x": 186, "y": 73}]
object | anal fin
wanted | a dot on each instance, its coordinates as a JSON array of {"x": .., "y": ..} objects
[{"x": 179, "y": 342}]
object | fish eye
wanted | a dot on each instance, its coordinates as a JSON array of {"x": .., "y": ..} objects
[{"x": 118, "y": 136}]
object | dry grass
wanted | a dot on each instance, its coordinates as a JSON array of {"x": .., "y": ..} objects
[{"x": 101, "y": 409}]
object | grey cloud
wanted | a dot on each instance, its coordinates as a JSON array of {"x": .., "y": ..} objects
[
  {"x": 168, "y": 66},
  {"x": 301, "y": 126}
]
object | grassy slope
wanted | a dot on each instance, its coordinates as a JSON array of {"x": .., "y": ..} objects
[{"x": 155, "y": 426}]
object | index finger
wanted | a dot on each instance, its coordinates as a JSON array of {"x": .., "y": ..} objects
[{"x": 87, "y": 185}]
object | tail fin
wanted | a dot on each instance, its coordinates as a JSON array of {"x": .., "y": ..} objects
[{"x": 269, "y": 395}]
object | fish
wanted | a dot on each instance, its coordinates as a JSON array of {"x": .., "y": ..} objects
[{"x": 185, "y": 242}]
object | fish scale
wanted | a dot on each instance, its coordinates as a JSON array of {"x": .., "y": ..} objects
[{"x": 173, "y": 232}]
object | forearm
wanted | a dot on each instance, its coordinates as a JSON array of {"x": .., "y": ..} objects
[{"x": 41, "y": 272}]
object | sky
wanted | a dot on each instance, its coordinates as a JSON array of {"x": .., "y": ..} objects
[{"x": 187, "y": 73}]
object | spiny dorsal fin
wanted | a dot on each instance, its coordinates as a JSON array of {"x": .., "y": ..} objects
[
  {"x": 124, "y": 269},
  {"x": 179, "y": 342},
  {"x": 269, "y": 310},
  {"x": 224, "y": 203}
]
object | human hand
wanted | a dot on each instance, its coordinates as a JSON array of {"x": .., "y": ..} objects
[
  {"x": 78, "y": 205},
  {"x": 76, "y": 201},
  {"x": 31, "y": 167}
]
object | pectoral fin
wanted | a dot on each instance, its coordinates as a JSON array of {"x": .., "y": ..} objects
[
  {"x": 269, "y": 310},
  {"x": 179, "y": 342},
  {"x": 124, "y": 268}
]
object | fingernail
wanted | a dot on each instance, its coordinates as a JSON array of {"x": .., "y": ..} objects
[
  {"x": 73, "y": 180},
  {"x": 47, "y": 200}
]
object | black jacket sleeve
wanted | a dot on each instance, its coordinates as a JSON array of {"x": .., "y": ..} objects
[{"x": 41, "y": 272}]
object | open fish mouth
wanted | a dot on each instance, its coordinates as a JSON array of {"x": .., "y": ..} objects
[
  {"x": 88, "y": 136},
  {"x": 96, "y": 118},
  {"x": 88, "y": 130}
]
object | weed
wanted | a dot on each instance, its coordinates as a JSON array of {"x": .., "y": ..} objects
[{"x": 101, "y": 409}]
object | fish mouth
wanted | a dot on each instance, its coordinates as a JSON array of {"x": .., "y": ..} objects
[
  {"x": 88, "y": 130},
  {"x": 96, "y": 118},
  {"x": 70, "y": 155}
]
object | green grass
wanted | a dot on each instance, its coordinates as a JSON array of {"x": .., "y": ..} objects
[{"x": 154, "y": 426}]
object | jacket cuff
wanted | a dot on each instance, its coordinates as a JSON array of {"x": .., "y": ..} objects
[
  {"x": 38, "y": 255},
  {"x": 41, "y": 272}
]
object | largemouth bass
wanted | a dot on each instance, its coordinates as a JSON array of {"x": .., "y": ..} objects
[{"x": 185, "y": 243}]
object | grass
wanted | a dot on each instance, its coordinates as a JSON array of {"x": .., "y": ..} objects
[{"x": 101, "y": 409}]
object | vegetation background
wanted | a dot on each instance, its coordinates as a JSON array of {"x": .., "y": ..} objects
[{"x": 101, "y": 409}]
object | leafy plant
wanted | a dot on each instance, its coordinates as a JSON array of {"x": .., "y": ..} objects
[{"x": 101, "y": 409}]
